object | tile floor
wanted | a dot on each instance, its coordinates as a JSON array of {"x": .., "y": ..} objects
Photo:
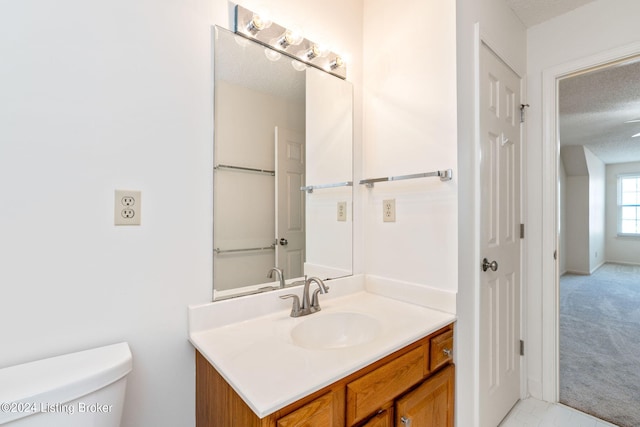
[{"x": 535, "y": 413}]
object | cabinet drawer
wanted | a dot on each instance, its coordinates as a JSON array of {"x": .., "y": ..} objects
[
  {"x": 370, "y": 392},
  {"x": 441, "y": 350},
  {"x": 318, "y": 413}
]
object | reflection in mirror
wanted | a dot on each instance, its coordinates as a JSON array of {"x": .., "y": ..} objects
[{"x": 279, "y": 126}]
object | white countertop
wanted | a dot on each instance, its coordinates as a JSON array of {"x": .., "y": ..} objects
[{"x": 256, "y": 356}]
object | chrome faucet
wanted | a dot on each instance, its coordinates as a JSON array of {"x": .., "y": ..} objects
[
  {"x": 309, "y": 305},
  {"x": 279, "y": 273}
]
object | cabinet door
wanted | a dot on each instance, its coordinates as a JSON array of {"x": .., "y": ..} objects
[
  {"x": 382, "y": 419},
  {"x": 372, "y": 391},
  {"x": 429, "y": 405},
  {"x": 320, "y": 412}
]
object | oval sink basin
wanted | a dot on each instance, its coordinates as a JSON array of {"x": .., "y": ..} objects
[{"x": 335, "y": 330}]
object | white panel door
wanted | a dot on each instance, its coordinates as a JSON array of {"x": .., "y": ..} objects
[
  {"x": 290, "y": 238},
  {"x": 499, "y": 264}
]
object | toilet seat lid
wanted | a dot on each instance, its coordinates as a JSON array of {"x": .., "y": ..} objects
[{"x": 63, "y": 378}]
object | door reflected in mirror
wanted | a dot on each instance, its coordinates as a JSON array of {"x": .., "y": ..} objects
[{"x": 279, "y": 127}]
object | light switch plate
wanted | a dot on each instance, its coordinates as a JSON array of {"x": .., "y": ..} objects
[{"x": 127, "y": 207}]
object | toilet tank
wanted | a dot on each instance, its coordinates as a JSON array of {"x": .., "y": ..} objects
[{"x": 76, "y": 389}]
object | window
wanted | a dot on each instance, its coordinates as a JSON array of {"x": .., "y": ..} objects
[{"x": 629, "y": 205}]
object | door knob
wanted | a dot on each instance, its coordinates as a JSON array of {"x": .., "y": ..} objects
[
  {"x": 493, "y": 265},
  {"x": 284, "y": 242}
]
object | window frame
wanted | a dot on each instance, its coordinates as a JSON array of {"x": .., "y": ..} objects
[{"x": 619, "y": 206}]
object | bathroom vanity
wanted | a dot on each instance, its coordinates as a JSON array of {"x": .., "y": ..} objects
[
  {"x": 393, "y": 364},
  {"x": 411, "y": 387},
  {"x": 379, "y": 352}
]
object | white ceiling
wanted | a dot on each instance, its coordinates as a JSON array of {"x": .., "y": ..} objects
[
  {"x": 593, "y": 106},
  {"x": 532, "y": 12}
]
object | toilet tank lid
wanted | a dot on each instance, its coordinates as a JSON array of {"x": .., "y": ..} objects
[{"x": 63, "y": 378}]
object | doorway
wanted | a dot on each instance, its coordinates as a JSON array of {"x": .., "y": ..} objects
[{"x": 599, "y": 240}]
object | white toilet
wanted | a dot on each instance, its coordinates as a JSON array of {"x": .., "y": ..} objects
[{"x": 73, "y": 390}]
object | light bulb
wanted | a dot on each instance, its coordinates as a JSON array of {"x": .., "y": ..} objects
[
  {"x": 258, "y": 23},
  {"x": 290, "y": 38},
  {"x": 298, "y": 66},
  {"x": 313, "y": 52},
  {"x": 272, "y": 55},
  {"x": 336, "y": 63}
]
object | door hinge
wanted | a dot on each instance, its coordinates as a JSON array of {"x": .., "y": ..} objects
[
  {"x": 522, "y": 107},
  {"x": 522, "y": 231},
  {"x": 521, "y": 348}
]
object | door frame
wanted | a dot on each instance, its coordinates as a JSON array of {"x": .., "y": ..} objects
[{"x": 550, "y": 215}]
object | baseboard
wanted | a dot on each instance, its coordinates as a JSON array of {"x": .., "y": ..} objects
[
  {"x": 535, "y": 388},
  {"x": 597, "y": 267},
  {"x": 634, "y": 264},
  {"x": 580, "y": 273}
]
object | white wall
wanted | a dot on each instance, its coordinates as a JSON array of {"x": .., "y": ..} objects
[
  {"x": 329, "y": 153},
  {"x": 583, "y": 211},
  {"x": 592, "y": 29},
  {"x": 410, "y": 127},
  {"x": 104, "y": 95},
  {"x": 506, "y": 35},
  {"x": 562, "y": 211},
  {"x": 619, "y": 249},
  {"x": 577, "y": 210},
  {"x": 99, "y": 96},
  {"x": 597, "y": 176}
]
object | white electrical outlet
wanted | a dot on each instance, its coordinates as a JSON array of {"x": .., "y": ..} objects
[
  {"x": 342, "y": 211},
  {"x": 127, "y": 207},
  {"x": 389, "y": 210}
]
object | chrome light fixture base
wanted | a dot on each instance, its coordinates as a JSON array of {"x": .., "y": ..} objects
[{"x": 249, "y": 24}]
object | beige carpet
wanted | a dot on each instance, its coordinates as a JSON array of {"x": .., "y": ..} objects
[{"x": 600, "y": 343}]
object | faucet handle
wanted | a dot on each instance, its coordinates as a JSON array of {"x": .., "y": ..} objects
[{"x": 295, "y": 309}]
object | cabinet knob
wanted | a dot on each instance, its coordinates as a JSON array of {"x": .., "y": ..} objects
[
  {"x": 405, "y": 421},
  {"x": 447, "y": 352}
]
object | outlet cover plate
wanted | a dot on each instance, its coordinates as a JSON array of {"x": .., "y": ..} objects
[
  {"x": 342, "y": 211},
  {"x": 127, "y": 207},
  {"x": 389, "y": 210}
]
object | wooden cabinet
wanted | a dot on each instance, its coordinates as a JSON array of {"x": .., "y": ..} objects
[
  {"x": 441, "y": 350},
  {"x": 384, "y": 418},
  {"x": 413, "y": 386},
  {"x": 368, "y": 393},
  {"x": 320, "y": 412},
  {"x": 430, "y": 404}
]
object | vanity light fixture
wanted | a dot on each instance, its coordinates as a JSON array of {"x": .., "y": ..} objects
[
  {"x": 289, "y": 38},
  {"x": 312, "y": 52},
  {"x": 255, "y": 26},
  {"x": 298, "y": 66},
  {"x": 336, "y": 63},
  {"x": 258, "y": 23},
  {"x": 272, "y": 55}
]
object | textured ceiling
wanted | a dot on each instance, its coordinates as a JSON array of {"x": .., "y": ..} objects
[
  {"x": 532, "y": 12},
  {"x": 594, "y": 106}
]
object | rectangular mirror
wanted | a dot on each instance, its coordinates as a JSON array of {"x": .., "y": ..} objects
[{"x": 283, "y": 169}]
